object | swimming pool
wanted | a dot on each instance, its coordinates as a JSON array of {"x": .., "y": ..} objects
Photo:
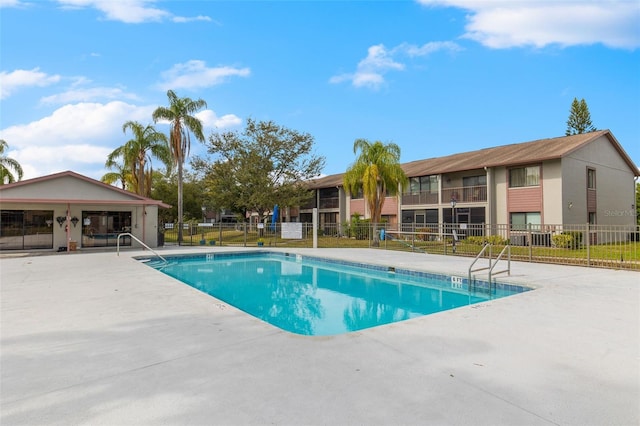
[{"x": 315, "y": 296}]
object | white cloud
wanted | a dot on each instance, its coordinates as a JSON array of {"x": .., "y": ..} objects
[
  {"x": 183, "y": 19},
  {"x": 130, "y": 11},
  {"x": 83, "y": 158},
  {"x": 127, "y": 11},
  {"x": 11, "y": 3},
  {"x": 505, "y": 24},
  {"x": 88, "y": 95},
  {"x": 211, "y": 120},
  {"x": 371, "y": 70},
  {"x": 195, "y": 74},
  {"x": 12, "y": 81},
  {"x": 74, "y": 137},
  {"x": 428, "y": 48}
]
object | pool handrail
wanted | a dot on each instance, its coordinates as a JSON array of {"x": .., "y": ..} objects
[
  {"x": 508, "y": 270},
  {"x": 491, "y": 264},
  {"x": 486, "y": 245},
  {"x": 124, "y": 234}
]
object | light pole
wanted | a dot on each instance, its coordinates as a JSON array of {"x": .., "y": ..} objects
[
  {"x": 204, "y": 210},
  {"x": 453, "y": 219}
]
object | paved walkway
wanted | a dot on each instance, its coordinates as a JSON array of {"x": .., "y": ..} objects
[{"x": 97, "y": 339}]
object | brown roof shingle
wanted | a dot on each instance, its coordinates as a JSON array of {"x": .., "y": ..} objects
[{"x": 506, "y": 155}]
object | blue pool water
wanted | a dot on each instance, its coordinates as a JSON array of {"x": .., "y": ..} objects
[{"x": 315, "y": 296}]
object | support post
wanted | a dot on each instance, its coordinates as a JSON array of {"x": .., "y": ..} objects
[{"x": 315, "y": 227}]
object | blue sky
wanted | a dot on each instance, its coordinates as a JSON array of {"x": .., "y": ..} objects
[{"x": 436, "y": 77}]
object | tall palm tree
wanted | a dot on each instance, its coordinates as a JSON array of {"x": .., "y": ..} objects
[
  {"x": 181, "y": 124},
  {"x": 8, "y": 166},
  {"x": 377, "y": 173},
  {"x": 136, "y": 153}
]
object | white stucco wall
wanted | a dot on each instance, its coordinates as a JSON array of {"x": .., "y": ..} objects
[{"x": 65, "y": 188}]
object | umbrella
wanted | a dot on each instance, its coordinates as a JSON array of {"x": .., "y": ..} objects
[{"x": 274, "y": 218}]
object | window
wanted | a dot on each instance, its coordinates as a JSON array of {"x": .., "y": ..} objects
[
  {"x": 524, "y": 176},
  {"x": 329, "y": 198},
  {"x": 423, "y": 184},
  {"x": 591, "y": 179},
  {"x": 329, "y": 192},
  {"x": 522, "y": 220},
  {"x": 26, "y": 229},
  {"x": 592, "y": 218},
  {"x": 474, "y": 180}
]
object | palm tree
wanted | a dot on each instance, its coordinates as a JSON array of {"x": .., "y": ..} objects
[
  {"x": 8, "y": 166},
  {"x": 120, "y": 174},
  {"x": 181, "y": 123},
  {"x": 377, "y": 173},
  {"x": 136, "y": 153}
]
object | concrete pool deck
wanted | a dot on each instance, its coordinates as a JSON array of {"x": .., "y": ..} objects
[{"x": 100, "y": 339}]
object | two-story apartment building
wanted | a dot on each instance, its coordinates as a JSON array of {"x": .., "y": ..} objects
[{"x": 578, "y": 179}]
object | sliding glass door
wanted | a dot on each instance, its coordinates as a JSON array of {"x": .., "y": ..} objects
[
  {"x": 26, "y": 229},
  {"x": 101, "y": 229}
]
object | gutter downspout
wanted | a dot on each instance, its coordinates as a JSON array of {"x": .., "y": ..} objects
[{"x": 144, "y": 223}]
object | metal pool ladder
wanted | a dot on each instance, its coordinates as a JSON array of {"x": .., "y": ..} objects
[
  {"x": 124, "y": 234},
  {"x": 492, "y": 264}
]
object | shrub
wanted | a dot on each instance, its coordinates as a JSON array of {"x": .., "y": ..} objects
[
  {"x": 475, "y": 240},
  {"x": 562, "y": 240},
  {"x": 569, "y": 239},
  {"x": 346, "y": 229},
  {"x": 360, "y": 228},
  {"x": 577, "y": 239},
  {"x": 496, "y": 240}
]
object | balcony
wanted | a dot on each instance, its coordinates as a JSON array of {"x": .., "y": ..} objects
[
  {"x": 465, "y": 194},
  {"x": 422, "y": 197},
  {"x": 329, "y": 203},
  {"x": 309, "y": 204},
  {"x": 462, "y": 194}
]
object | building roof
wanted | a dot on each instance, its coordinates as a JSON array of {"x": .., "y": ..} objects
[
  {"x": 326, "y": 181},
  {"x": 505, "y": 155},
  {"x": 54, "y": 189},
  {"x": 514, "y": 154}
]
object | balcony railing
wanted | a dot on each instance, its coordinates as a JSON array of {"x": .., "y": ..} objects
[
  {"x": 462, "y": 194},
  {"x": 422, "y": 197},
  {"x": 465, "y": 194}
]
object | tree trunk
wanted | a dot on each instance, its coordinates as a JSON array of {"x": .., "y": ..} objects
[
  {"x": 179, "y": 203},
  {"x": 141, "y": 177}
]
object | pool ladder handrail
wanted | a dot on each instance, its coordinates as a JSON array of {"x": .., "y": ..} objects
[
  {"x": 492, "y": 264},
  {"x": 124, "y": 234}
]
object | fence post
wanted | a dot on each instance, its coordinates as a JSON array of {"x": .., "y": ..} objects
[
  {"x": 529, "y": 241},
  {"x": 444, "y": 236},
  {"x": 588, "y": 245},
  {"x": 220, "y": 232},
  {"x": 413, "y": 241},
  {"x": 244, "y": 231}
]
